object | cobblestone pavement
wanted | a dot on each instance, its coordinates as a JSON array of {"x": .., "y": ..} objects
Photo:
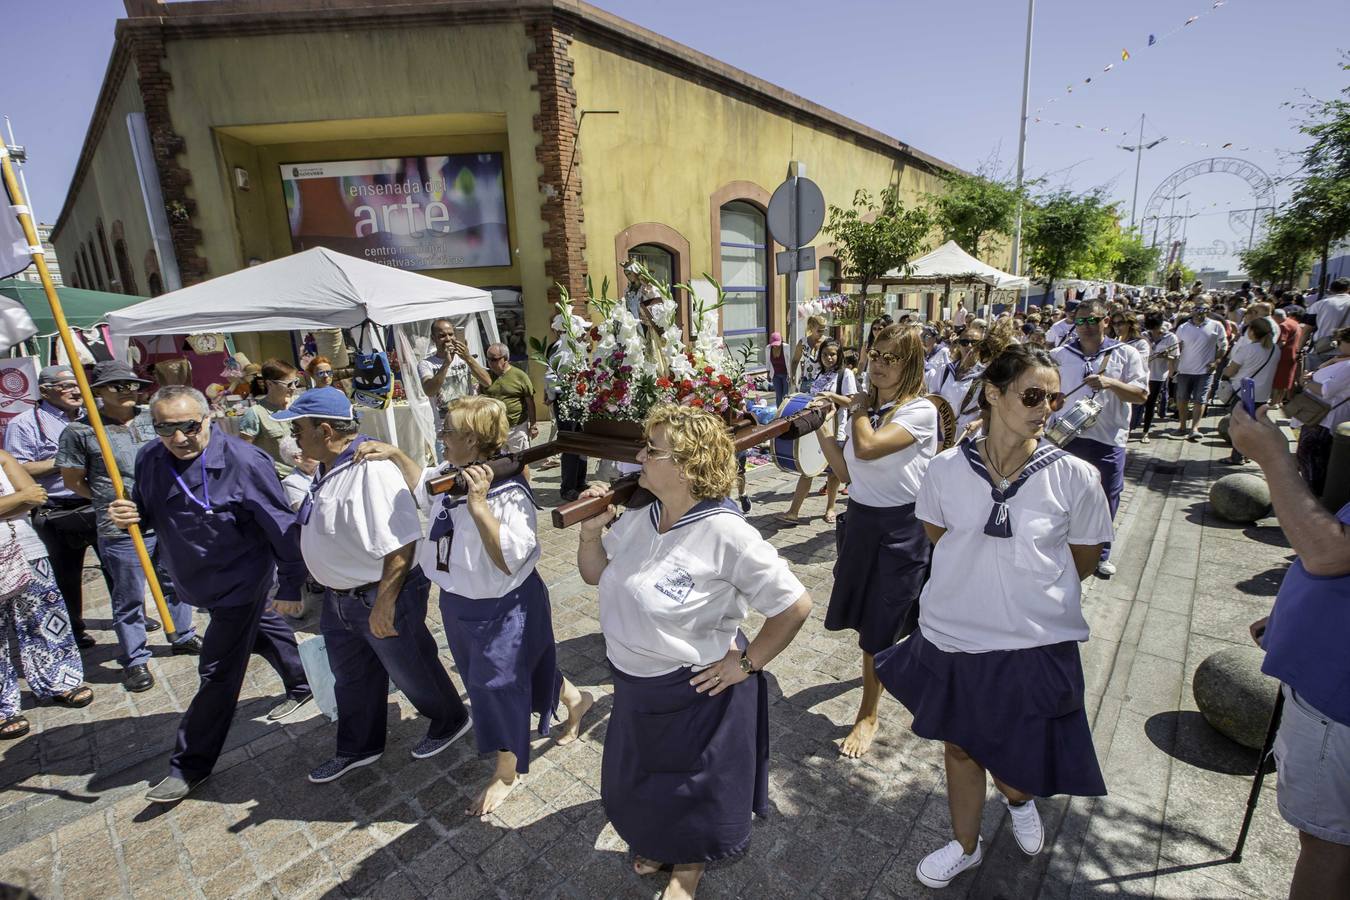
[{"x": 73, "y": 822}]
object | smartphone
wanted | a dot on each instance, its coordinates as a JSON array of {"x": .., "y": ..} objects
[{"x": 1247, "y": 391}]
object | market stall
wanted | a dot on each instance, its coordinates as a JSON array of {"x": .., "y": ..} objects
[
  {"x": 86, "y": 312},
  {"x": 949, "y": 265},
  {"x": 323, "y": 289}
]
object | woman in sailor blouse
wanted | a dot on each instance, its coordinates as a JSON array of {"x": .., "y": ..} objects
[
  {"x": 481, "y": 550},
  {"x": 892, "y": 436},
  {"x": 956, "y": 380},
  {"x": 686, "y": 755},
  {"x": 993, "y": 670}
]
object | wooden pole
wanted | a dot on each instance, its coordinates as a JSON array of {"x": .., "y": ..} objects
[{"x": 90, "y": 407}]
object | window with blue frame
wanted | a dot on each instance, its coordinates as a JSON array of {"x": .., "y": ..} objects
[{"x": 745, "y": 279}]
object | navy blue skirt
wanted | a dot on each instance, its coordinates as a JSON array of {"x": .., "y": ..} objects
[
  {"x": 684, "y": 771},
  {"x": 1018, "y": 713},
  {"x": 881, "y": 569},
  {"x": 506, "y": 655}
]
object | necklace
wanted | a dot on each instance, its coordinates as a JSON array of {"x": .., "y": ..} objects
[{"x": 1004, "y": 480}]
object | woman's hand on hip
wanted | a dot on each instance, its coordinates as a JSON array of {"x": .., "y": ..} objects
[{"x": 720, "y": 675}]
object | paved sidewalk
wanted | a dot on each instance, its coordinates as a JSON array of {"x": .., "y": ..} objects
[{"x": 73, "y": 824}]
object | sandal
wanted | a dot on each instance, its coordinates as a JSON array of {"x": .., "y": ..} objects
[
  {"x": 13, "y": 728},
  {"x": 643, "y": 866},
  {"x": 78, "y": 698},
  {"x": 787, "y": 519},
  {"x": 829, "y": 517}
]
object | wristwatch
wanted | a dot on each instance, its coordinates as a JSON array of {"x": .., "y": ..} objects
[{"x": 747, "y": 666}]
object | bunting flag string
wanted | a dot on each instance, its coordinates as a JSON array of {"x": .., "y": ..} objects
[
  {"x": 1117, "y": 133},
  {"x": 1153, "y": 40}
]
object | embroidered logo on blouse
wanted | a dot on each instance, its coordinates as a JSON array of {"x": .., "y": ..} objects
[{"x": 676, "y": 585}]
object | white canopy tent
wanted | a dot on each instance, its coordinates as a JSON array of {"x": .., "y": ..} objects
[
  {"x": 949, "y": 265},
  {"x": 318, "y": 289}
]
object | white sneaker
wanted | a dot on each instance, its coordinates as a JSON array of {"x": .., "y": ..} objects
[
  {"x": 938, "y": 868},
  {"x": 1106, "y": 568},
  {"x": 1143, "y": 439},
  {"x": 1026, "y": 826}
]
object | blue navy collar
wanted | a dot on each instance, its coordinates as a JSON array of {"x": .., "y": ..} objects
[
  {"x": 1076, "y": 348},
  {"x": 703, "y": 509},
  {"x": 343, "y": 460},
  {"x": 514, "y": 483}
]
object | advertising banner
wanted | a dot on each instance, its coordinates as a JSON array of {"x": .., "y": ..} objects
[
  {"x": 18, "y": 388},
  {"x": 425, "y": 212}
]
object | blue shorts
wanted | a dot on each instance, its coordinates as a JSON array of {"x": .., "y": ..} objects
[
  {"x": 1312, "y": 754},
  {"x": 1193, "y": 388}
]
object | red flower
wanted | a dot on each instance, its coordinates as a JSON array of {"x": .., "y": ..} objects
[
  {"x": 724, "y": 381},
  {"x": 686, "y": 385},
  {"x": 663, "y": 382},
  {"x": 697, "y": 401},
  {"x": 708, "y": 370},
  {"x": 581, "y": 389}
]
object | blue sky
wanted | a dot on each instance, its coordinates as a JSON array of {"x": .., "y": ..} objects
[{"x": 943, "y": 76}]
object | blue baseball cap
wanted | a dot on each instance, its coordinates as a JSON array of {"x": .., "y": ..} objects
[{"x": 318, "y": 403}]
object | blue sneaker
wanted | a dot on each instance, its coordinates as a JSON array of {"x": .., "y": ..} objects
[
  {"x": 430, "y": 746},
  {"x": 338, "y": 766}
]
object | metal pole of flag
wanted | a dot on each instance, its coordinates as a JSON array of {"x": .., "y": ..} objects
[{"x": 91, "y": 408}]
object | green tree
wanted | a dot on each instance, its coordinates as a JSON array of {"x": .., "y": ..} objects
[
  {"x": 1282, "y": 255},
  {"x": 1321, "y": 201},
  {"x": 1137, "y": 262},
  {"x": 875, "y": 236},
  {"x": 974, "y": 207},
  {"x": 1066, "y": 234}
]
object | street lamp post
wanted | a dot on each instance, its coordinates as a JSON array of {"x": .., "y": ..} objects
[
  {"x": 1022, "y": 143},
  {"x": 1138, "y": 151}
]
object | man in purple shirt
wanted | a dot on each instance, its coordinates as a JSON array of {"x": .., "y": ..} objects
[
  {"x": 1305, "y": 638},
  {"x": 65, "y": 523},
  {"x": 222, "y": 520}
]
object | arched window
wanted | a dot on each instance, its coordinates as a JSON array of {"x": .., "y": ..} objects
[
  {"x": 124, "y": 272},
  {"x": 107, "y": 260},
  {"x": 826, "y": 273},
  {"x": 658, "y": 260},
  {"x": 91, "y": 264},
  {"x": 744, "y": 250},
  {"x": 156, "y": 286}
]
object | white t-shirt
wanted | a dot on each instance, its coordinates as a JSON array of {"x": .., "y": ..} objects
[
  {"x": 894, "y": 479},
  {"x": 677, "y": 599},
  {"x": 1332, "y": 312},
  {"x": 955, "y": 391},
  {"x": 1114, "y": 360},
  {"x": 988, "y": 593},
  {"x": 458, "y": 381},
  {"x": 1335, "y": 382},
  {"x": 960, "y": 316},
  {"x": 1200, "y": 346},
  {"x": 1160, "y": 351},
  {"x": 33, "y": 548},
  {"x": 458, "y": 563},
  {"x": 1258, "y": 363},
  {"x": 361, "y": 514},
  {"x": 296, "y": 486},
  {"x": 937, "y": 362},
  {"x": 1059, "y": 332}
]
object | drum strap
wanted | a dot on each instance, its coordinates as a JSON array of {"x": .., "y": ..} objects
[{"x": 1000, "y": 523}]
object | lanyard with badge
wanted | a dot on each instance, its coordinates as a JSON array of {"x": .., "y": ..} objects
[{"x": 203, "y": 501}]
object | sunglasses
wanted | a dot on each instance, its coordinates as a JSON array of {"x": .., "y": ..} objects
[
  {"x": 64, "y": 386},
  {"x": 966, "y": 342},
  {"x": 286, "y": 384},
  {"x": 1033, "y": 397},
  {"x": 323, "y": 374},
  {"x": 1087, "y": 320},
  {"x": 122, "y": 387},
  {"x": 169, "y": 429}
]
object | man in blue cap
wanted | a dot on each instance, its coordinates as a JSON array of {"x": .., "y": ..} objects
[
  {"x": 223, "y": 521},
  {"x": 359, "y": 529},
  {"x": 117, "y": 388}
]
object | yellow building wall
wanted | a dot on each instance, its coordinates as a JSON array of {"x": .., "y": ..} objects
[
  {"x": 376, "y": 81},
  {"x": 675, "y": 142},
  {"x": 110, "y": 190}
]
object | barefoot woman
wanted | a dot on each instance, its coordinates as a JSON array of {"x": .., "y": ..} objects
[
  {"x": 686, "y": 751},
  {"x": 481, "y": 551},
  {"x": 883, "y": 561}
]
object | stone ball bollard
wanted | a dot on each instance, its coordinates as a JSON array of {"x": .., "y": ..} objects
[
  {"x": 1240, "y": 497},
  {"x": 1235, "y": 698},
  {"x": 1223, "y": 429}
]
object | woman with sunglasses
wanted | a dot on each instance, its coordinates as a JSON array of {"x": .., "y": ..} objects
[
  {"x": 957, "y": 380},
  {"x": 892, "y": 435},
  {"x": 321, "y": 373},
  {"x": 993, "y": 670},
  {"x": 274, "y": 389},
  {"x": 686, "y": 756},
  {"x": 1124, "y": 327},
  {"x": 1112, "y": 373}
]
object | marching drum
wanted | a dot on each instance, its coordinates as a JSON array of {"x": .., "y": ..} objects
[
  {"x": 803, "y": 455},
  {"x": 1076, "y": 419}
]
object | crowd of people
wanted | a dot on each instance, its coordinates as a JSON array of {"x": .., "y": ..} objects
[{"x": 960, "y": 570}]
